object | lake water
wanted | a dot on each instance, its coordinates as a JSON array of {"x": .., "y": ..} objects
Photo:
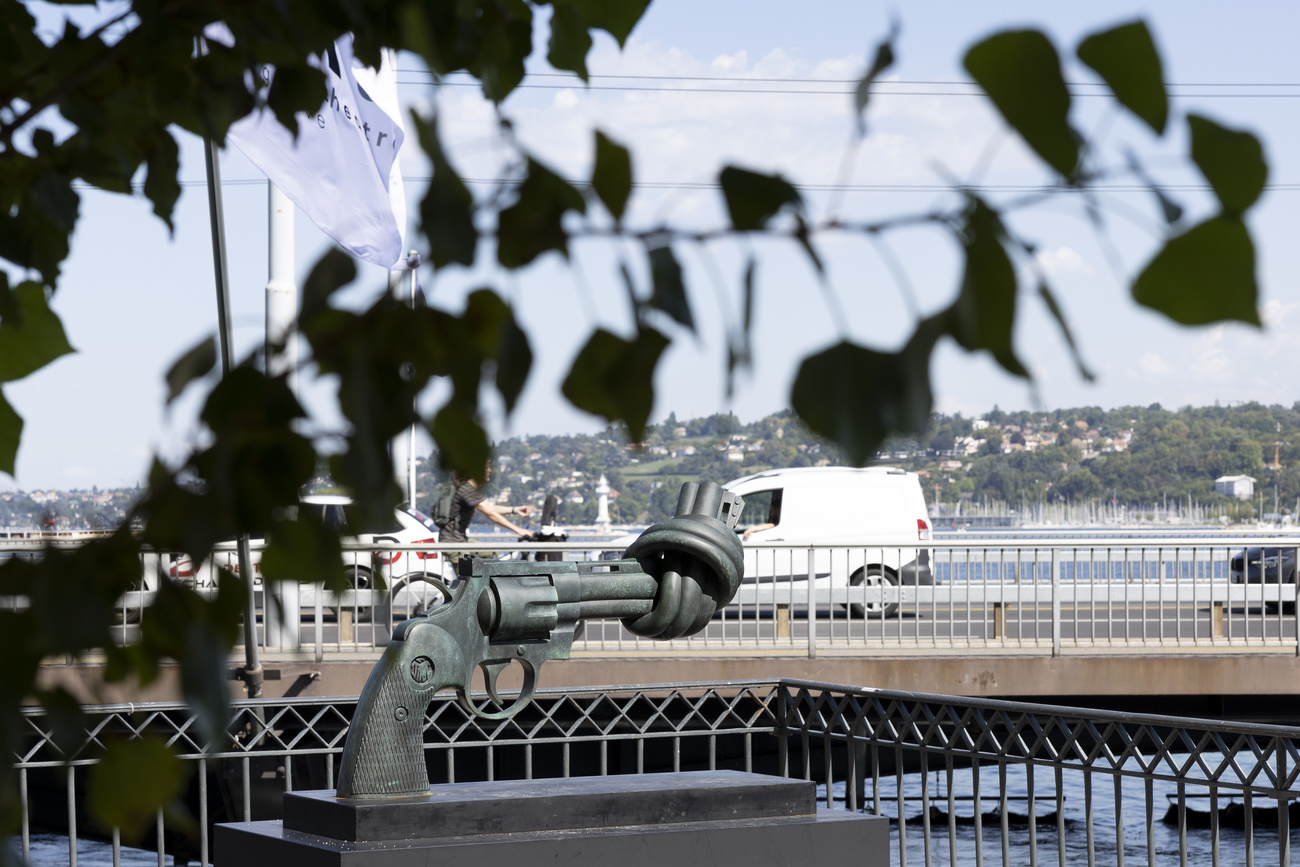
[
  {"x": 1232, "y": 842},
  {"x": 49, "y": 850}
]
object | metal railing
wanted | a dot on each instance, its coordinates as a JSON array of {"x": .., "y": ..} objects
[
  {"x": 1064, "y": 785},
  {"x": 1036, "y": 596}
]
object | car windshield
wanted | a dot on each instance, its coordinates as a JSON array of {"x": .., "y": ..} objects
[
  {"x": 761, "y": 507},
  {"x": 422, "y": 518}
]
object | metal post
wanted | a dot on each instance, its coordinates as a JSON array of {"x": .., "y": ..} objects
[
  {"x": 812, "y": 604},
  {"x": 281, "y": 618},
  {"x": 410, "y": 435},
  {"x": 252, "y": 666},
  {"x": 1056, "y": 608}
]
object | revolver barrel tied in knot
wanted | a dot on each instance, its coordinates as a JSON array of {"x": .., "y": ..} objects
[{"x": 669, "y": 584}]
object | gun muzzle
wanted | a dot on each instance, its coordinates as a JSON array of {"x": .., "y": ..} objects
[{"x": 696, "y": 559}]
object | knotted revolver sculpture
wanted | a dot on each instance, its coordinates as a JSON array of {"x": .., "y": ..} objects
[{"x": 669, "y": 584}]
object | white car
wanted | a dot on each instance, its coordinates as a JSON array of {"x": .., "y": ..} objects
[{"x": 414, "y": 580}]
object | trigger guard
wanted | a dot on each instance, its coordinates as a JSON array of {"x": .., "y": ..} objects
[
  {"x": 491, "y": 671},
  {"x": 521, "y": 701}
]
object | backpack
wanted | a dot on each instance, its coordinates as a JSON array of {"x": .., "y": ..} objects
[{"x": 440, "y": 509}]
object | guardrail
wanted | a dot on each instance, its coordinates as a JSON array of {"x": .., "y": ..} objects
[
  {"x": 1037, "y": 596},
  {"x": 1090, "y": 785}
]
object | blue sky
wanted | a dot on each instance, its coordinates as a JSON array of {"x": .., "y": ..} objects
[{"x": 133, "y": 297}]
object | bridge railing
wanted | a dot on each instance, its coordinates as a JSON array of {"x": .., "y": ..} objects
[
  {"x": 964, "y": 781},
  {"x": 1036, "y": 596}
]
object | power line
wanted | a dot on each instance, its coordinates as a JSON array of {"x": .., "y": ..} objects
[
  {"x": 811, "y": 187},
  {"x": 810, "y": 92},
  {"x": 853, "y": 81},
  {"x": 1078, "y": 89}
]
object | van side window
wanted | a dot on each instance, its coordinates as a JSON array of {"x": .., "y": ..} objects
[{"x": 762, "y": 507}]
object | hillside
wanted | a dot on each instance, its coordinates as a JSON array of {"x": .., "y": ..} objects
[{"x": 1145, "y": 459}]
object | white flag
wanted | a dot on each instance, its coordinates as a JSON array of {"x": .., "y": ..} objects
[{"x": 342, "y": 170}]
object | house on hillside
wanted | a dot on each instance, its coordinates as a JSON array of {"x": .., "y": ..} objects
[{"x": 1241, "y": 487}]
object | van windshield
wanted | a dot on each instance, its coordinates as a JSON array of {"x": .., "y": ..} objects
[{"x": 761, "y": 507}]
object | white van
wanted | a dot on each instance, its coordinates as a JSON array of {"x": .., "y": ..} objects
[{"x": 866, "y": 527}]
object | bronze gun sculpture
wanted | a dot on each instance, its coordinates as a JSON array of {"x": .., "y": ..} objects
[{"x": 669, "y": 584}]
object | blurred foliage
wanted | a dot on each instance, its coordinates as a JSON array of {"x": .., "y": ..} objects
[{"x": 104, "y": 103}]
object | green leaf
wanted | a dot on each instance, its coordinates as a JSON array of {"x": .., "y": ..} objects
[
  {"x": 295, "y": 88},
  {"x": 1021, "y": 72},
  {"x": 1231, "y": 160},
  {"x": 133, "y": 780},
  {"x": 615, "y": 18},
  {"x": 462, "y": 443},
  {"x": 65, "y": 719},
  {"x": 880, "y": 63},
  {"x": 1126, "y": 59},
  {"x": 303, "y": 550},
  {"x": 11, "y": 431},
  {"x": 803, "y": 235},
  {"x": 28, "y": 346},
  {"x": 11, "y": 309},
  {"x": 611, "y": 177},
  {"x": 856, "y": 397},
  {"x": 614, "y": 378},
  {"x": 739, "y": 349},
  {"x": 514, "y": 362},
  {"x": 331, "y": 272},
  {"x": 753, "y": 198},
  {"x": 1172, "y": 211},
  {"x": 984, "y": 313},
  {"x": 447, "y": 209},
  {"x": 160, "y": 184},
  {"x": 1054, "y": 309},
  {"x": 195, "y": 363},
  {"x": 204, "y": 668},
  {"x": 53, "y": 197},
  {"x": 534, "y": 223},
  {"x": 570, "y": 41},
  {"x": 504, "y": 29},
  {"x": 1205, "y": 275},
  {"x": 669, "y": 292}
]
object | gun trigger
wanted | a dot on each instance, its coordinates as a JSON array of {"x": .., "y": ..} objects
[{"x": 492, "y": 670}]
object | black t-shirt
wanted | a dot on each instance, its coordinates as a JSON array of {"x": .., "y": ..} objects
[{"x": 463, "y": 504}]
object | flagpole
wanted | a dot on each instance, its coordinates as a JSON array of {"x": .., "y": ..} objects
[
  {"x": 282, "y": 620},
  {"x": 216, "y": 213},
  {"x": 410, "y": 442}
]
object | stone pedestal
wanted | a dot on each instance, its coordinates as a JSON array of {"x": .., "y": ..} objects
[{"x": 708, "y": 818}]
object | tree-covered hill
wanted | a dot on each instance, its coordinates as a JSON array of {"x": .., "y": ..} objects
[{"x": 1138, "y": 457}]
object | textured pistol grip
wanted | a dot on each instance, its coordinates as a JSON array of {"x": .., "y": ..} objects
[
  {"x": 384, "y": 753},
  {"x": 697, "y": 560}
]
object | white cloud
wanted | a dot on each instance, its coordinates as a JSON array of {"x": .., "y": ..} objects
[
  {"x": 1062, "y": 260},
  {"x": 566, "y": 98},
  {"x": 1152, "y": 365},
  {"x": 731, "y": 62}
]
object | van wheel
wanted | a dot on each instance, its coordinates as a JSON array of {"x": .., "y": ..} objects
[
  {"x": 873, "y": 576},
  {"x": 357, "y": 578}
]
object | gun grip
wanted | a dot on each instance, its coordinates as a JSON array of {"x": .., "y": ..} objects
[{"x": 384, "y": 753}]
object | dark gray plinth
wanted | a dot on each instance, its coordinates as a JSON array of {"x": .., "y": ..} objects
[
  {"x": 517, "y": 806},
  {"x": 716, "y": 818}
]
